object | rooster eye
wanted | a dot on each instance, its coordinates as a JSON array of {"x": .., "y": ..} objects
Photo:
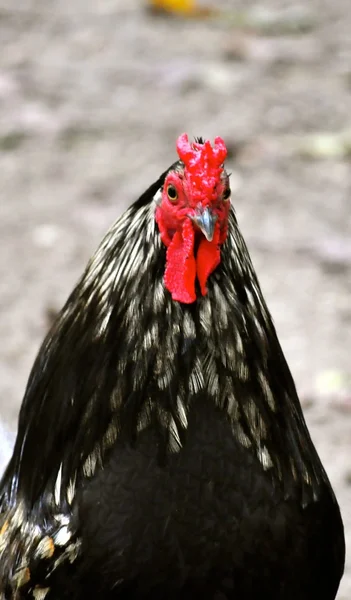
[
  {"x": 172, "y": 193},
  {"x": 226, "y": 193}
]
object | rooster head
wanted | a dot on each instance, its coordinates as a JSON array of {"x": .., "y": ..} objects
[{"x": 192, "y": 216}]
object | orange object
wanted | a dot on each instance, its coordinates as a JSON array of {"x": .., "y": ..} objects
[
  {"x": 176, "y": 6},
  {"x": 186, "y": 8}
]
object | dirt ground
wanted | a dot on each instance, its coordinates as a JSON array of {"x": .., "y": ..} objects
[{"x": 92, "y": 98}]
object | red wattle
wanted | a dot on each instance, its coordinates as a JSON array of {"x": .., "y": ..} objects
[
  {"x": 180, "y": 270},
  {"x": 207, "y": 259}
]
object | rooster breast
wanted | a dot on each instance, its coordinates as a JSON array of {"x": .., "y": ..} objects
[{"x": 210, "y": 524}]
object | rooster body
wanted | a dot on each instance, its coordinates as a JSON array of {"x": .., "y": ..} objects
[{"x": 161, "y": 450}]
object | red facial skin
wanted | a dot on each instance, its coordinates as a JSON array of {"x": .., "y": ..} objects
[{"x": 201, "y": 183}]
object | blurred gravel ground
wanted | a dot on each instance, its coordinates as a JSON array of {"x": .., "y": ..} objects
[{"x": 92, "y": 98}]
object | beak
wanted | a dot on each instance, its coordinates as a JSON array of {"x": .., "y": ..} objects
[{"x": 205, "y": 220}]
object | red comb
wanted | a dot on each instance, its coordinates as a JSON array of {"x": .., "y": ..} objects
[{"x": 203, "y": 165}]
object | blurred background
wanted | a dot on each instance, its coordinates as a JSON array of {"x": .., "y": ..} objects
[{"x": 92, "y": 98}]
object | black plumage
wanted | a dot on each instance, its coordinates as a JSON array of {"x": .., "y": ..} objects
[{"x": 161, "y": 448}]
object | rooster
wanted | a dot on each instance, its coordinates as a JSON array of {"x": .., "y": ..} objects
[{"x": 161, "y": 449}]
